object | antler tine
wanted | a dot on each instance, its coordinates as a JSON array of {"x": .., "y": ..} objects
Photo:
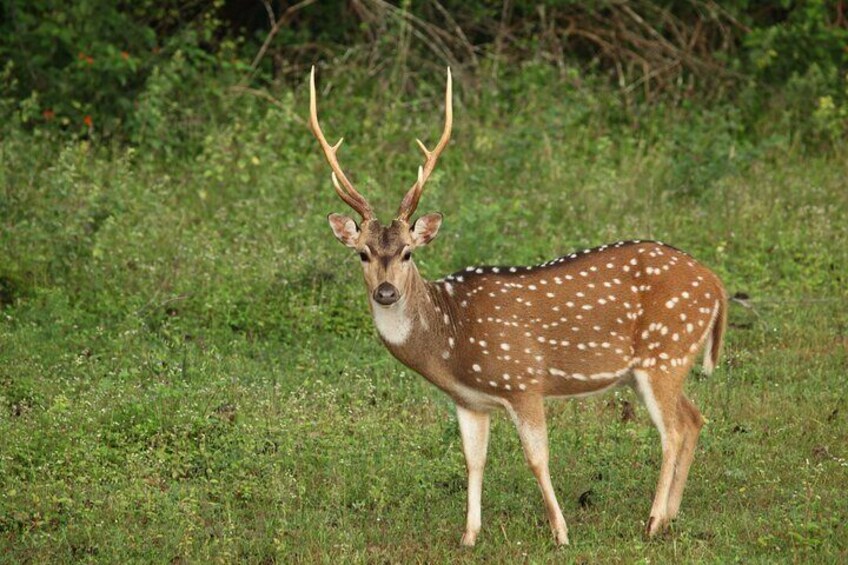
[
  {"x": 344, "y": 188},
  {"x": 410, "y": 201}
]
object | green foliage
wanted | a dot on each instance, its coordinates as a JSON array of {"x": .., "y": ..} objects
[
  {"x": 182, "y": 97},
  {"x": 707, "y": 147},
  {"x": 830, "y": 118},
  {"x": 97, "y": 68},
  {"x": 791, "y": 46},
  {"x": 157, "y": 74},
  {"x": 76, "y": 62}
]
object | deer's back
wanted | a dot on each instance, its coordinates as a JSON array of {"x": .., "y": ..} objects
[{"x": 581, "y": 322}]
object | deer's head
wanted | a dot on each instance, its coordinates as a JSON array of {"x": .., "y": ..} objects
[{"x": 385, "y": 251}]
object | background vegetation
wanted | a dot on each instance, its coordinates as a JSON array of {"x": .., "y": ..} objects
[{"x": 188, "y": 372}]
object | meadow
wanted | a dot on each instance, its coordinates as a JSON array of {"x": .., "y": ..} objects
[{"x": 189, "y": 372}]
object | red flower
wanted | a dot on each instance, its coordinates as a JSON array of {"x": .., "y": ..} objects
[
  {"x": 88, "y": 121},
  {"x": 48, "y": 114}
]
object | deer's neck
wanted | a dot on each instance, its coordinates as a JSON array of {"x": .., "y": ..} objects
[{"x": 417, "y": 328}]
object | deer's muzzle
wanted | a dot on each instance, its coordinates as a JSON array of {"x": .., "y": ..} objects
[{"x": 386, "y": 294}]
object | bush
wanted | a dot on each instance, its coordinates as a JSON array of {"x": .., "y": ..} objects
[
  {"x": 157, "y": 74},
  {"x": 85, "y": 67}
]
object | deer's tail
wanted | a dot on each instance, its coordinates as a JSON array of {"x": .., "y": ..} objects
[{"x": 715, "y": 338}]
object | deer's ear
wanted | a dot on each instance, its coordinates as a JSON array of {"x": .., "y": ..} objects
[
  {"x": 425, "y": 228},
  {"x": 344, "y": 229}
]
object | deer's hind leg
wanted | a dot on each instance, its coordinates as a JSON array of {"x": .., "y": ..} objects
[
  {"x": 660, "y": 391},
  {"x": 690, "y": 423}
]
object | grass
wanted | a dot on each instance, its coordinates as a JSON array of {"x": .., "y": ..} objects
[{"x": 188, "y": 372}]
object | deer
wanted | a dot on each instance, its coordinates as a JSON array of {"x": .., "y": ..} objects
[{"x": 633, "y": 313}]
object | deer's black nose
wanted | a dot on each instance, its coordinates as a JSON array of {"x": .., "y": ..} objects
[{"x": 386, "y": 294}]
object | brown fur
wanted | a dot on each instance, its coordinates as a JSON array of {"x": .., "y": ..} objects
[{"x": 493, "y": 337}]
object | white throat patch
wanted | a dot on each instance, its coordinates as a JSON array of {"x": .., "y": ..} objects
[{"x": 393, "y": 322}]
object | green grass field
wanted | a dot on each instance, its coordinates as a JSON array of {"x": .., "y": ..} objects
[{"x": 188, "y": 370}]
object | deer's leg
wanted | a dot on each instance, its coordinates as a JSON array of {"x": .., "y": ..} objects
[
  {"x": 529, "y": 418},
  {"x": 660, "y": 393},
  {"x": 474, "y": 429},
  {"x": 690, "y": 423}
]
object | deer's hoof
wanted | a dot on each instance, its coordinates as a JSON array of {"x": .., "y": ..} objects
[
  {"x": 468, "y": 539},
  {"x": 561, "y": 538},
  {"x": 655, "y": 526}
]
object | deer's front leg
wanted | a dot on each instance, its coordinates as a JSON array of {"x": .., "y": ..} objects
[
  {"x": 529, "y": 418},
  {"x": 474, "y": 429}
]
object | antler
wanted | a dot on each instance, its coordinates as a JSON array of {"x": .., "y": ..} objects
[
  {"x": 410, "y": 201},
  {"x": 349, "y": 194}
]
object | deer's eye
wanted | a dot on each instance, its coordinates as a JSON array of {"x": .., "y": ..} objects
[
  {"x": 407, "y": 255},
  {"x": 364, "y": 257}
]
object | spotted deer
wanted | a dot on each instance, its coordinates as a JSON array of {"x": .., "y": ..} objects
[{"x": 629, "y": 313}]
